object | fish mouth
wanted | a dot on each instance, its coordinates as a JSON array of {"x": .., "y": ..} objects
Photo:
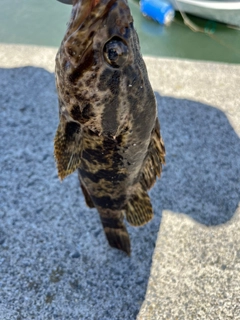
[{"x": 66, "y": 1}]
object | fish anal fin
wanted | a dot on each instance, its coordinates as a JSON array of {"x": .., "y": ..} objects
[
  {"x": 152, "y": 166},
  {"x": 67, "y": 149},
  {"x": 138, "y": 209}
]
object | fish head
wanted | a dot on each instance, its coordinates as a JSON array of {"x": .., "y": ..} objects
[
  {"x": 99, "y": 29},
  {"x": 100, "y": 73}
]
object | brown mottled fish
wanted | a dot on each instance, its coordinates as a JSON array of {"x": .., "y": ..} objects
[{"x": 108, "y": 130}]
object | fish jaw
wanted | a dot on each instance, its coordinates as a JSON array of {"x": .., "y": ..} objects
[{"x": 72, "y": 46}]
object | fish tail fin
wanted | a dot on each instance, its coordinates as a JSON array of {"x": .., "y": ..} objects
[
  {"x": 115, "y": 230},
  {"x": 138, "y": 208}
]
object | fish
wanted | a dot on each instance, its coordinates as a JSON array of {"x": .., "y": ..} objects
[{"x": 108, "y": 125}]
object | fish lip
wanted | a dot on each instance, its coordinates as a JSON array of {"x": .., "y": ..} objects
[{"x": 66, "y": 1}]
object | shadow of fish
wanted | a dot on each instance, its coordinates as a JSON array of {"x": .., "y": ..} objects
[{"x": 108, "y": 127}]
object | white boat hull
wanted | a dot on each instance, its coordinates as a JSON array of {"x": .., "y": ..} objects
[{"x": 222, "y": 11}]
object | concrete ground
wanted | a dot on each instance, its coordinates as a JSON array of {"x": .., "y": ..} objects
[{"x": 54, "y": 260}]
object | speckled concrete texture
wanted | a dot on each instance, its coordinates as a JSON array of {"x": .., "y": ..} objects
[
  {"x": 55, "y": 262},
  {"x": 195, "y": 272}
]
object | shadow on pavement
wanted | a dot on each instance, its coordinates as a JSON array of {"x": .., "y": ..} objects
[
  {"x": 54, "y": 259},
  {"x": 202, "y": 174}
]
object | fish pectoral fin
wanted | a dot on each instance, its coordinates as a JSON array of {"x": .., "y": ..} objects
[
  {"x": 67, "y": 149},
  {"x": 152, "y": 166},
  {"x": 138, "y": 209}
]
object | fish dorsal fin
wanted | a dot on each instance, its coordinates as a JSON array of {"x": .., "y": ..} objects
[
  {"x": 67, "y": 148},
  {"x": 138, "y": 208},
  {"x": 152, "y": 166}
]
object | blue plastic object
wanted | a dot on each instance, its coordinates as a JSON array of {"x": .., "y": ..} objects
[{"x": 159, "y": 10}]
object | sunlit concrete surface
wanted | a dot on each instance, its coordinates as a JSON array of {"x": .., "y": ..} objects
[
  {"x": 214, "y": 84},
  {"x": 55, "y": 262},
  {"x": 195, "y": 272}
]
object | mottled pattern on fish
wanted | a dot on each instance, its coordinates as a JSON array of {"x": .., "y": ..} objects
[{"x": 108, "y": 128}]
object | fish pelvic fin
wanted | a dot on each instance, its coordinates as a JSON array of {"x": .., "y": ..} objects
[
  {"x": 87, "y": 197},
  {"x": 115, "y": 230},
  {"x": 138, "y": 209},
  {"x": 67, "y": 148}
]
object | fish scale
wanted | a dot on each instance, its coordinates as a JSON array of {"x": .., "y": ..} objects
[{"x": 108, "y": 129}]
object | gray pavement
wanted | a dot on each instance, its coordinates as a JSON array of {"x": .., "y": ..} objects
[
  {"x": 195, "y": 272},
  {"x": 54, "y": 260}
]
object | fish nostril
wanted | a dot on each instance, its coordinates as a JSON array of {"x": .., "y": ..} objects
[
  {"x": 92, "y": 33},
  {"x": 71, "y": 52}
]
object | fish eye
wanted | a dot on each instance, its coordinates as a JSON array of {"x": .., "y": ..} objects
[{"x": 115, "y": 52}]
